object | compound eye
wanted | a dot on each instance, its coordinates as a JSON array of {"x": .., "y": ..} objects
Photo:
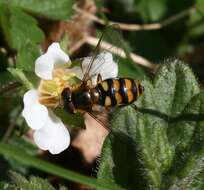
[
  {"x": 67, "y": 100},
  {"x": 66, "y": 95}
]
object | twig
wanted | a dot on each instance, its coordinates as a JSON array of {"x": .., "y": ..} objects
[
  {"x": 135, "y": 27},
  {"x": 120, "y": 52},
  {"x": 76, "y": 46},
  {"x": 178, "y": 16}
]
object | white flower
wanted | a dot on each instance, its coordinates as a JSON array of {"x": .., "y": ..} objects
[
  {"x": 56, "y": 135},
  {"x": 50, "y": 133},
  {"x": 35, "y": 113},
  {"x": 45, "y": 64}
]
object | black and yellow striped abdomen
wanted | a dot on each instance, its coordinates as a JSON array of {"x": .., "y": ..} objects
[{"x": 118, "y": 91}]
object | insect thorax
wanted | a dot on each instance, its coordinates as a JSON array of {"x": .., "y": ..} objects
[{"x": 80, "y": 99}]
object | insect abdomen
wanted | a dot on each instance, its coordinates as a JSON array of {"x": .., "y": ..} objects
[{"x": 119, "y": 91}]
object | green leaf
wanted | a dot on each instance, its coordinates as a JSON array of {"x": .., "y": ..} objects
[
  {"x": 51, "y": 9},
  {"x": 4, "y": 61},
  {"x": 150, "y": 139},
  {"x": 5, "y": 78},
  {"x": 152, "y": 10},
  {"x": 62, "y": 188},
  {"x": 21, "y": 156},
  {"x": 73, "y": 120},
  {"x": 7, "y": 82},
  {"x": 23, "y": 144},
  {"x": 18, "y": 27},
  {"x": 21, "y": 77},
  {"x": 35, "y": 183},
  {"x": 6, "y": 186},
  {"x": 186, "y": 133},
  {"x": 200, "y": 5},
  {"x": 19, "y": 180},
  {"x": 129, "y": 69},
  {"x": 26, "y": 57},
  {"x": 195, "y": 24},
  {"x": 64, "y": 42}
]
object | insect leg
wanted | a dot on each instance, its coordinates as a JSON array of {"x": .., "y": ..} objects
[
  {"x": 134, "y": 107},
  {"x": 99, "y": 78}
]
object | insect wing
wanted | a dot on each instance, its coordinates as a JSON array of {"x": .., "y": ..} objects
[
  {"x": 101, "y": 118},
  {"x": 109, "y": 42},
  {"x": 104, "y": 121}
]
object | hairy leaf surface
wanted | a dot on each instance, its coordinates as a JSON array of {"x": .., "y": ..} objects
[{"x": 152, "y": 138}]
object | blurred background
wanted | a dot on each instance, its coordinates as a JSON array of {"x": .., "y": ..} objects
[{"x": 153, "y": 31}]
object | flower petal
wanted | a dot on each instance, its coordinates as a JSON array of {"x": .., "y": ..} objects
[
  {"x": 59, "y": 56},
  {"x": 30, "y": 97},
  {"x": 45, "y": 64},
  {"x": 103, "y": 65},
  {"x": 53, "y": 136},
  {"x": 34, "y": 113}
]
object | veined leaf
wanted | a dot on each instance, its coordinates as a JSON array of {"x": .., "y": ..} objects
[
  {"x": 7, "y": 186},
  {"x": 151, "y": 10},
  {"x": 51, "y": 9},
  {"x": 35, "y": 183},
  {"x": 186, "y": 133},
  {"x": 21, "y": 77},
  {"x": 150, "y": 143},
  {"x": 19, "y": 28},
  {"x": 26, "y": 56}
]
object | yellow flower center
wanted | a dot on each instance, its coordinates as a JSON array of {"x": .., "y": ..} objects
[{"x": 50, "y": 90}]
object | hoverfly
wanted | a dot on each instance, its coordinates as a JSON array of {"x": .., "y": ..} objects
[
  {"x": 106, "y": 93},
  {"x": 83, "y": 98}
]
